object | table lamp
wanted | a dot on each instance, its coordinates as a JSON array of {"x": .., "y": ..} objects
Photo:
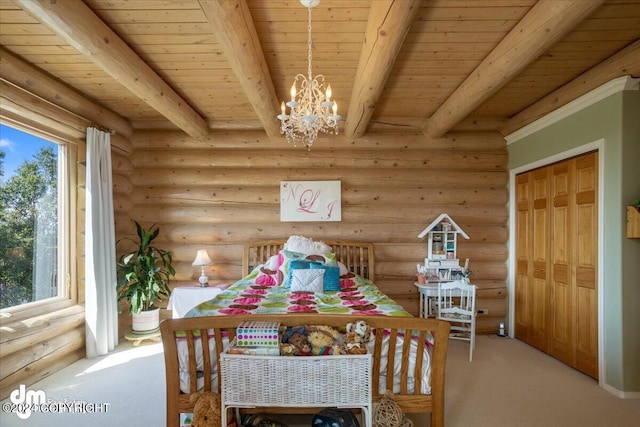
[{"x": 202, "y": 259}]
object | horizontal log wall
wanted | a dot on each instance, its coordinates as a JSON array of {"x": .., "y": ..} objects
[
  {"x": 122, "y": 189},
  {"x": 220, "y": 192}
]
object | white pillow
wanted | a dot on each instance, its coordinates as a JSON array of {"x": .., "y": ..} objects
[
  {"x": 300, "y": 244},
  {"x": 343, "y": 269},
  {"x": 307, "y": 280},
  {"x": 321, "y": 248}
]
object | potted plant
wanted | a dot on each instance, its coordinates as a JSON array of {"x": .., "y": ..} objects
[{"x": 143, "y": 278}]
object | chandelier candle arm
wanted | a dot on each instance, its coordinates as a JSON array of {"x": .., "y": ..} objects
[{"x": 311, "y": 109}]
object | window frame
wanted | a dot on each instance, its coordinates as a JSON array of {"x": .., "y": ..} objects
[{"x": 68, "y": 193}]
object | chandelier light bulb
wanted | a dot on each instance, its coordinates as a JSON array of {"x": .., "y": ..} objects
[
  {"x": 293, "y": 92},
  {"x": 283, "y": 116}
]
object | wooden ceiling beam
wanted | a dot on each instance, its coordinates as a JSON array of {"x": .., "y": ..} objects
[
  {"x": 625, "y": 62},
  {"x": 40, "y": 83},
  {"x": 233, "y": 26},
  {"x": 388, "y": 25},
  {"x": 76, "y": 23},
  {"x": 545, "y": 24}
]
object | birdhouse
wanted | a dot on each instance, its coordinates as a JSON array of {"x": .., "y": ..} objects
[{"x": 442, "y": 262}]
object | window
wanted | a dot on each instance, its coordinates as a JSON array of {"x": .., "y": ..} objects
[{"x": 34, "y": 212}]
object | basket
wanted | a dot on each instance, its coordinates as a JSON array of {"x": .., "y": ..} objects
[{"x": 305, "y": 381}]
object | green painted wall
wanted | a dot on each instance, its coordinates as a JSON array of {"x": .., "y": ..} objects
[
  {"x": 616, "y": 119},
  {"x": 631, "y": 247}
]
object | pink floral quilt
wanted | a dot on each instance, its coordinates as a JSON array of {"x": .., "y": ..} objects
[{"x": 357, "y": 296}]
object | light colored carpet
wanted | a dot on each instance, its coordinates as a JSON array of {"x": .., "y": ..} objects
[{"x": 508, "y": 384}]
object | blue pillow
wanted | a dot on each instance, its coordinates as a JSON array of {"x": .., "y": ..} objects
[
  {"x": 331, "y": 277},
  {"x": 297, "y": 264}
]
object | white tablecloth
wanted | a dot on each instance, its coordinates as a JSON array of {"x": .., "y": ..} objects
[{"x": 184, "y": 298}]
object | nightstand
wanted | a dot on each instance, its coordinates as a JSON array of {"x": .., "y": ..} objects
[{"x": 184, "y": 298}]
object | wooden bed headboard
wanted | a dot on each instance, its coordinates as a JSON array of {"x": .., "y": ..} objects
[{"x": 357, "y": 256}]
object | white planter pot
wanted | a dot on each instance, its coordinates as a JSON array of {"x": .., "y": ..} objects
[{"x": 145, "y": 321}]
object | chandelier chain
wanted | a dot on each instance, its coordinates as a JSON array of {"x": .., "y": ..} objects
[
  {"x": 311, "y": 109},
  {"x": 309, "y": 46}
]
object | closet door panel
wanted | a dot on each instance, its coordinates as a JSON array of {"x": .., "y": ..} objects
[
  {"x": 540, "y": 256},
  {"x": 561, "y": 300},
  {"x": 523, "y": 312},
  {"x": 587, "y": 333},
  {"x": 523, "y": 247},
  {"x": 586, "y": 265}
]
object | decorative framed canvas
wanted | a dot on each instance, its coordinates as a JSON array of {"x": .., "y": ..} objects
[{"x": 310, "y": 201}]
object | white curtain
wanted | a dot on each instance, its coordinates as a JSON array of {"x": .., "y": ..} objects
[{"x": 100, "y": 252}]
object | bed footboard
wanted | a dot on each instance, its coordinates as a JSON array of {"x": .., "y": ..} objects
[{"x": 408, "y": 392}]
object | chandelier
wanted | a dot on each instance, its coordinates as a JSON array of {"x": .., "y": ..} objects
[{"x": 311, "y": 109}]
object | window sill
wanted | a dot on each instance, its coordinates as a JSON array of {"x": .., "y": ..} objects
[{"x": 34, "y": 309}]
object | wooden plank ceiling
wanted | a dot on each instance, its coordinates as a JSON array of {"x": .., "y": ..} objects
[{"x": 434, "y": 65}]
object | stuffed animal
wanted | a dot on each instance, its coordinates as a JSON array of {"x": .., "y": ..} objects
[
  {"x": 322, "y": 339},
  {"x": 206, "y": 409},
  {"x": 356, "y": 339},
  {"x": 288, "y": 349},
  {"x": 300, "y": 343},
  {"x": 361, "y": 328},
  {"x": 353, "y": 344}
]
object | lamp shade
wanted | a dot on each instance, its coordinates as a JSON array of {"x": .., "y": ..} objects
[{"x": 202, "y": 258}]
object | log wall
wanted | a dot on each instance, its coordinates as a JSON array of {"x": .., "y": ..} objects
[{"x": 221, "y": 191}]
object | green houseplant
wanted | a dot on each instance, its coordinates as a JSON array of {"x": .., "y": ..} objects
[{"x": 143, "y": 276}]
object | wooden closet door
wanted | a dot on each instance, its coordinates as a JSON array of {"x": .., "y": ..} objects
[
  {"x": 561, "y": 302},
  {"x": 532, "y": 263},
  {"x": 538, "y": 334},
  {"x": 585, "y": 255},
  {"x": 556, "y": 261},
  {"x": 524, "y": 268}
]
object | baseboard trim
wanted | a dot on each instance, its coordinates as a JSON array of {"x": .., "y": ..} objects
[{"x": 621, "y": 394}]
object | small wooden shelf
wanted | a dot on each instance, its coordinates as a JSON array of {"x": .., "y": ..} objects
[
  {"x": 442, "y": 262},
  {"x": 633, "y": 222}
]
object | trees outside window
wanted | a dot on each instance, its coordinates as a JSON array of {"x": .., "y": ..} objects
[{"x": 29, "y": 213}]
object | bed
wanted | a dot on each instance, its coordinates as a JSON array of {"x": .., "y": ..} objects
[
  {"x": 190, "y": 343},
  {"x": 356, "y": 293}
]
